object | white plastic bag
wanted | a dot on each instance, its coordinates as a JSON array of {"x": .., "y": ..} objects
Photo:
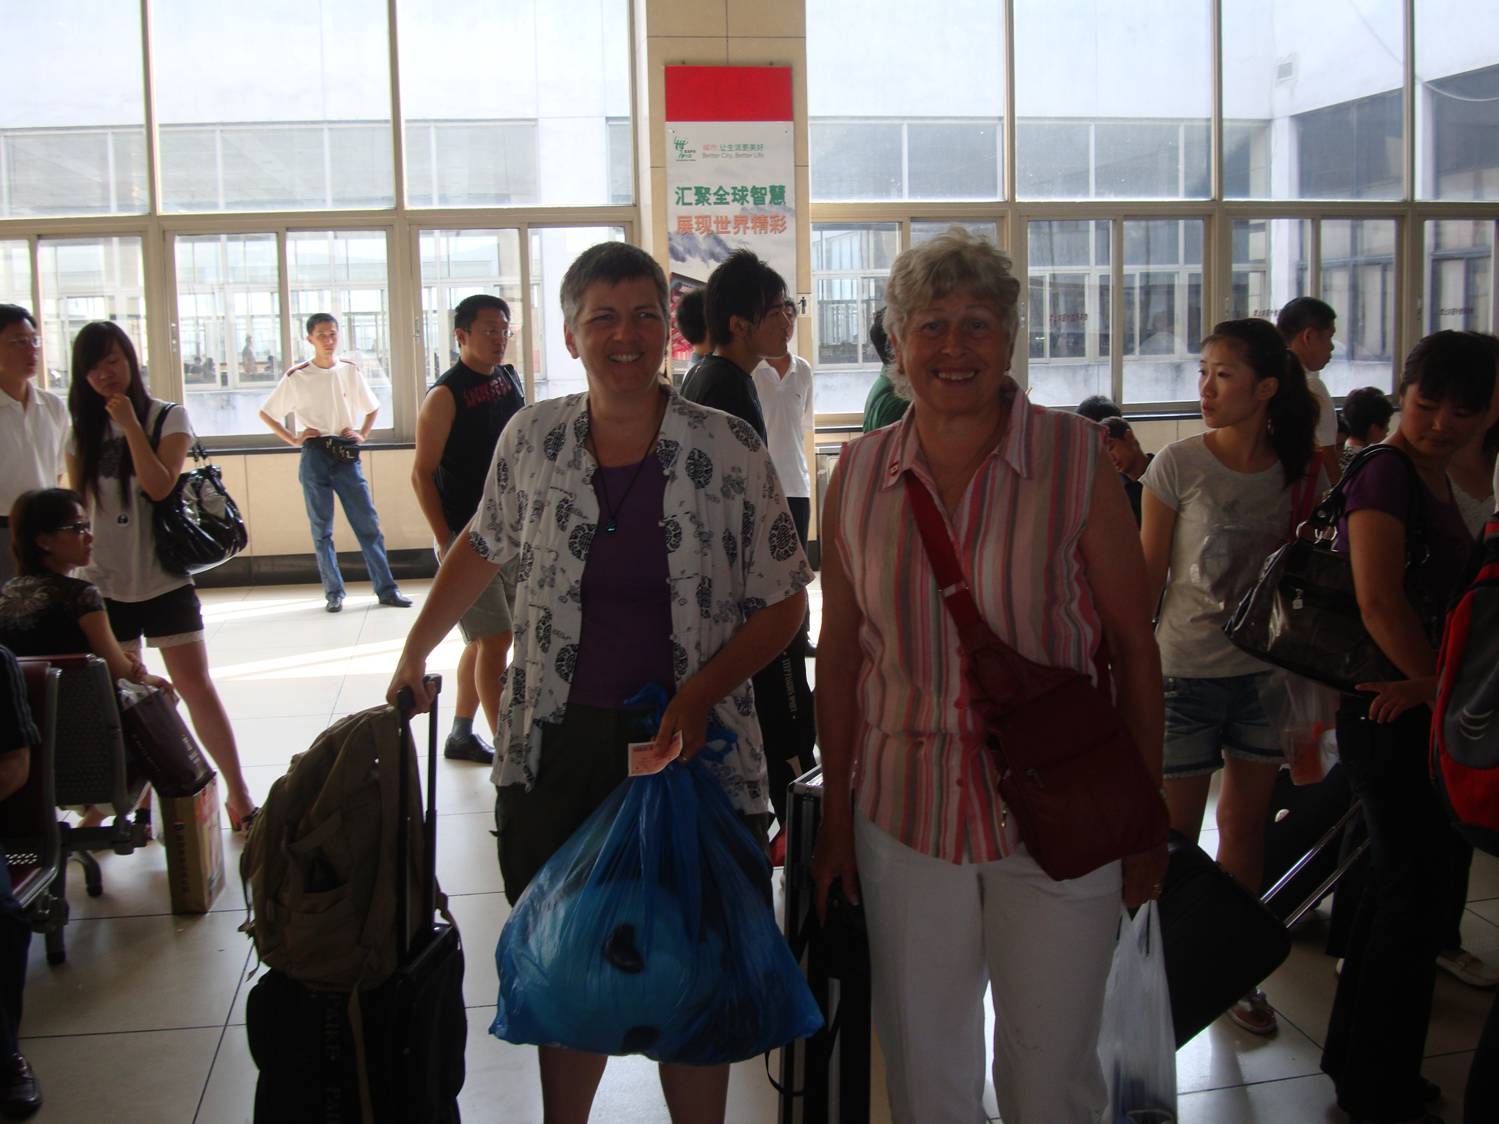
[{"x": 1136, "y": 1043}]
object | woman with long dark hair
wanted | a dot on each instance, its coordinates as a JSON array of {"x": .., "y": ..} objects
[
  {"x": 1213, "y": 507},
  {"x": 44, "y": 610},
  {"x": 115, "y": 465}
]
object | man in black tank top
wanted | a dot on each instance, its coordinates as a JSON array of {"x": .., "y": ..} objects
[{"x": 456, "y": 431}]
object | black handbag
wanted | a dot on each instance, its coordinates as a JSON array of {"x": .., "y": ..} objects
[
  {"x": 198, "y": 526},
  {"x": 1303, "y": 613}
]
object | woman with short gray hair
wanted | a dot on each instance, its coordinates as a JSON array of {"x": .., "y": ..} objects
[
  {"x": 653, "y": 545},
  {"x": 912, "y": 819}
]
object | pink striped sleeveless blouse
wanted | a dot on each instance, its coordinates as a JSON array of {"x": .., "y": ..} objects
[{"x": 922, "y": 773}]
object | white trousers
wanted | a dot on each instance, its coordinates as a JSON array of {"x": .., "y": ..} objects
[{"x": 938, "y": 932}]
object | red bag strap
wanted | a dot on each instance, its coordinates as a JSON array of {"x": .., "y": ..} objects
[
  {"x": 1026, "y": 678},
  {"x": 951, "y": 584},
  {"x": 1303, "y": 498}
]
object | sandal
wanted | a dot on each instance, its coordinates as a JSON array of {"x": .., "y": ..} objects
[
  {"x": 242, "y": 823},
  {"x": 1254, "y": 1013}
]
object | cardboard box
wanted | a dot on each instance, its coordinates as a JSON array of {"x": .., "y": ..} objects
[{"x": 195, "y": 848}]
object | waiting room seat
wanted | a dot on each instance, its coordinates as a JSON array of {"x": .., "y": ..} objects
[
  {"x": 90, "y": 766},
  {"x": 28, "y": 820}
]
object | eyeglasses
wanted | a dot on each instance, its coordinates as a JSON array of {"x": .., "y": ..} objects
[
  {"x": 787, "y": 308},
  {"x": 82, "y": 527},
  {"x": 494, "y": 333},
  {"x": 31, "y": 343}
]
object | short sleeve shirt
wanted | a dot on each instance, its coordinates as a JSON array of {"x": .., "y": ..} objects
[
  {"x": 1227, "y": 524},
  {"x": 32, "y": 436},
  {"x": 787, "y": 406},
  {"x": 327, "y": 399},
  {"x": 1389, "y": 483},
  {"x": 731, "y": 548},
  {"x": 39, "y": 614},
  {"x": 923, "y": 773},
  {"x": 1327, "y": 415},
  {"x": 125, "y": 566}
]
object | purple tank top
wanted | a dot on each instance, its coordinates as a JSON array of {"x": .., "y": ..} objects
[{"x": 626, "y": 636}]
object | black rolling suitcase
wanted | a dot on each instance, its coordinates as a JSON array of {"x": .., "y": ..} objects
[
  {"x": 824, "y": 1078},
  {"x": 414, "y": 1027},
  {"x": 1220, "y": 941},
  {"x": 1300, "y": 816}
]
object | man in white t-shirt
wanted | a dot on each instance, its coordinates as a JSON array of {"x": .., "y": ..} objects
[
  {"x": 1307, "y": 325},
  {"x": 332, "y": 410},
  {"x": 784, "y": 385},
  {"x": 33, "y": 422}
]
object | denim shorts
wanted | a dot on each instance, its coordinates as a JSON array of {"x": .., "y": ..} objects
[{"x": 1207, "y": 719}]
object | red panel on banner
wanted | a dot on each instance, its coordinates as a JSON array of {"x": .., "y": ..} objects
[{"x": 728, "y": 93}]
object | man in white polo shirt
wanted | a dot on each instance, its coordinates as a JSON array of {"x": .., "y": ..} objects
[
  {"x": 33, "y": 422},
  {"x": 332, "y": 410},
  {"x": 784, "y": 385}
]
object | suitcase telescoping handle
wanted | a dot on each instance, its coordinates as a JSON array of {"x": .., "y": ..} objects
[{"x": 404, "y": 705}]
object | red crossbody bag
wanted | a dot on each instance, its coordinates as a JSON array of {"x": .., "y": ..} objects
[{"x": 1069, "y": 770}]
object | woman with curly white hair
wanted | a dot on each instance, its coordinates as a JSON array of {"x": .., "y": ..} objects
[{"x": 913, "y": 822}]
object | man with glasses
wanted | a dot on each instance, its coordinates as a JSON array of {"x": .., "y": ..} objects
[
  {"x": 783, "y": 383},
  {"x": 332, "y": 410},
  {"x": 460, "y": 421},
  {"x": 33, "y": 422}
]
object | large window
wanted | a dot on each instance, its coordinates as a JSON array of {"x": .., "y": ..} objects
[
  {"x": 850, "y": 263},
  {"x": 72, "y": 110},
  {"x": 1459, "y": 276},
  {"x": 1358, "y": 280},
  {"x": 1068, "y": 309},
  {"x": 228, "y": 327},
  {"x": 84, "y": 279},
  {"x": 274, "y": 106},
  {"x": 236, "y": 335},
  {"x": 1311, "y": 99},
  {"x": 552, "y": 250},
  {"x": 1457, "y": 100},
  {"x": 881, "y": 127},
  {"x": 1162, "y": 326},
  {"x": 1111, "y": 100},
  {"x": 1270, "y": 263},
  {"x": 516, "y": 103},
  {"x": 15, "y": 273},
  {"x": 462, "y": 263}
]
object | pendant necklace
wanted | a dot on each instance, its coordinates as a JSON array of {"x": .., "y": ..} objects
[{"x": 612, "y": 510}]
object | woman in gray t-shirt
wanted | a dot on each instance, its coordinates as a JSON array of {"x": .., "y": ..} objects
[{"x": 1214, "y": 506}]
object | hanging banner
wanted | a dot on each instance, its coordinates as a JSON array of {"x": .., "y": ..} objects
[{"x": 730, "y": 173}]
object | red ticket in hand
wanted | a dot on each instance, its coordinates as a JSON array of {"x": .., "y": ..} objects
[{"x": 646, "y": 759}]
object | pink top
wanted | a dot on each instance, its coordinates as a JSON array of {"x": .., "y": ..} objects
[{"x": 921, "y": 771}]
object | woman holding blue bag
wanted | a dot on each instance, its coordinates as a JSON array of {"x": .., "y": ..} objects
[{"x": 653, "y": 545}]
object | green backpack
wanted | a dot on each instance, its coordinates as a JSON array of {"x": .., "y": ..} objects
[{"x": 319, "y": 867}]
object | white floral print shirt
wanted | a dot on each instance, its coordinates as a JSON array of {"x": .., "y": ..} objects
[{"x": 731, "y": 551}]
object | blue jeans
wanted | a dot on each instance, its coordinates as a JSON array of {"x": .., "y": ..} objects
[{"x": 323, "y": 475}]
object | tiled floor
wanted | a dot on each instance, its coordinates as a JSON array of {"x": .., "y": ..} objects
[{"x": 145, "y": 1021}]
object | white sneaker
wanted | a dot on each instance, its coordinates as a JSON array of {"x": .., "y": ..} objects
[{"x": 1465, "y": 966}]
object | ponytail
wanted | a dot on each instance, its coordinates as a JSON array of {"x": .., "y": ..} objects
[{"x": 1291, "y": 415}]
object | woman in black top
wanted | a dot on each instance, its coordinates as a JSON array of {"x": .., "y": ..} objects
[{"x": 43, "y": 610}]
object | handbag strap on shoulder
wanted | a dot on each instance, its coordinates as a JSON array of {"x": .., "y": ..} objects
[
  {"x": 196, "y": 449},
  {"x": 1331, "y": 509},
  {"x": 952, "y": 586}
]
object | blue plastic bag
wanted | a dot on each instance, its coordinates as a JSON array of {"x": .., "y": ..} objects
[{"x": 651, "y": 931}]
